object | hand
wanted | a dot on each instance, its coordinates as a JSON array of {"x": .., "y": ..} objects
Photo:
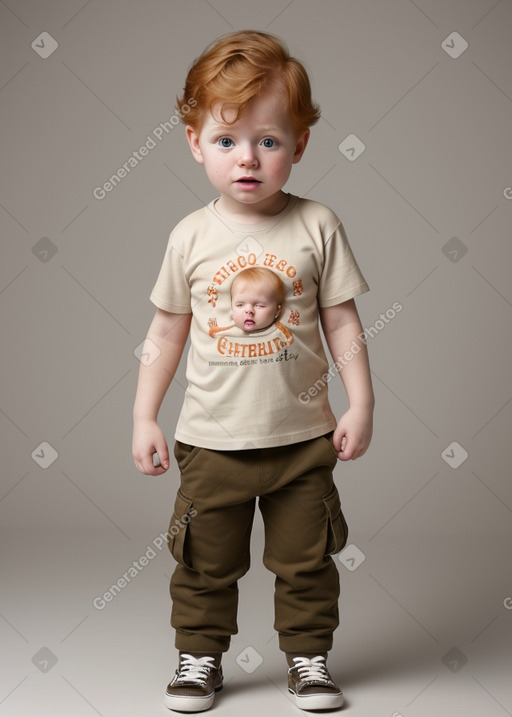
[
  {"x": 148, "y": 438},
  {"x": 353, "y": 433}
]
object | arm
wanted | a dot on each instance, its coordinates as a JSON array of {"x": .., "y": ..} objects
[
  {"x": 169, "y": 332},
  {"x": 341, "y": 326}
]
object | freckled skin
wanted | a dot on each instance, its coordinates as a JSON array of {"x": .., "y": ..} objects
[{"x": 260, "y": 145}]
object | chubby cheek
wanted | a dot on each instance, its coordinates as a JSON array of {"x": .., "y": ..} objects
[
  {"x": 267, "y": 316},
  {"x": 279, "y": 168},
  {"x": 215, "y": 167},
  {"x": 214, "y": 172}
]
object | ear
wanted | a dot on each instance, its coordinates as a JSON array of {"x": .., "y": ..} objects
[
  {"x": 193, "y": 141},
  {"x": 301, "y": 146}
]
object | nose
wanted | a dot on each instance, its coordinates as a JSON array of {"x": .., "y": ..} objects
[{"x": 247, "y": 156}]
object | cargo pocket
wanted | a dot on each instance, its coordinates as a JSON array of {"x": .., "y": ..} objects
[
  {"x": 337, "y": 529},
  {"x": 327, "y": 439},
  {"x": 185, "y": 454},
  {"x": 177, "y": 534}
]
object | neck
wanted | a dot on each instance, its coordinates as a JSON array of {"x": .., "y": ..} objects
[{"x": 252, "y": 213}]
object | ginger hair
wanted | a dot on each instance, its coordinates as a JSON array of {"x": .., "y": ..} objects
[{"x": 236, "y": 68}]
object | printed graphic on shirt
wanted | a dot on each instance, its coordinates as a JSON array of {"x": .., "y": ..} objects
[{"x": 259, "y": 328}]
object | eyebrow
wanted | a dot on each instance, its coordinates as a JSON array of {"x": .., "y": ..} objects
[{"x": 226, "y": 127}]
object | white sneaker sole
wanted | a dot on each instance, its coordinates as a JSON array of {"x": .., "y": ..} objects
[
  {"x": 317, "y": 702},
  {"x": 180, "y": 703}
]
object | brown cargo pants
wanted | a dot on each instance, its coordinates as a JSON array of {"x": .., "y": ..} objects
[{"x": 209, "y": 537}]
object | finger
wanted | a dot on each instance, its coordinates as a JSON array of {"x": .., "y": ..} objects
[
  {"x": 344, "y": 456},
  {"x": 146, "y": 467},
  {"x": 347, "y": 449},
  {"x": 158, "y": 471},
  {"x": 155, "y": 464},
  {"x": 337, "y": 438},
  {"x": 152, "y": 470},
  {"x": 353, "y": 451},
  {"x": 161, "y": 456}
]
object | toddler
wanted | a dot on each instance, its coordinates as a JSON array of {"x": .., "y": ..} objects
[{"x": 255, "y": 421}]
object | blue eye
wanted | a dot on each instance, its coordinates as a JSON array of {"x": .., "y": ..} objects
[
  {"x": 267, "y": 142},
  {"x": 225, "y": 142}
]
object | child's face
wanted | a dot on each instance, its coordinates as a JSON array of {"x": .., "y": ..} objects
[
  {"x": 249, "y": 161},
  {"x": 254, "y": 308}
]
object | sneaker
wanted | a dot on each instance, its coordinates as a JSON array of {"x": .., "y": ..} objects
[
  {"x": 194, "y": 684},
  {"x": 312, "y": 686}
]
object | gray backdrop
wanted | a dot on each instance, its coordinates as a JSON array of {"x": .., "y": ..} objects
[{"x": 413, "y": 153}]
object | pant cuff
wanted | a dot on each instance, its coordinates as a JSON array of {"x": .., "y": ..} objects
[
  {"x": 187, "y": 642},
  {"x": 305, "y": 643}
]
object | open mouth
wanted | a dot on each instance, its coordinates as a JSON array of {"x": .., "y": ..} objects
[{"x": 248, "y": 181}]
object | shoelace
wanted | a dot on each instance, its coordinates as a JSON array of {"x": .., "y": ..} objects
[
  {"x": 314, "y": 670},
  {"x": 194, "y": 670}
]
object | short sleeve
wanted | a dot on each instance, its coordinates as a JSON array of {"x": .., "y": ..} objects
[
  {"x": 172, "y": 291},
  {"x": 341, "y": 277}
]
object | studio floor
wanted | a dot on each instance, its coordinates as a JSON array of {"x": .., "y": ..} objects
[{"x": 426, "y": 629}]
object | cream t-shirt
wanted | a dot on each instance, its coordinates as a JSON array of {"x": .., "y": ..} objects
[{"x": 247, "y": 390}]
